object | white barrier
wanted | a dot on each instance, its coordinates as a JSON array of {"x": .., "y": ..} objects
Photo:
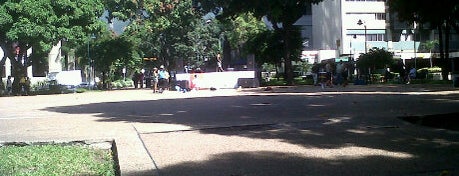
[
  {"x": 220, "y": 80},
  {"x": 72, "y": 77}
]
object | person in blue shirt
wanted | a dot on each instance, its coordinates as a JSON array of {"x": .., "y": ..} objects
[{"x": 163, "y": 76}]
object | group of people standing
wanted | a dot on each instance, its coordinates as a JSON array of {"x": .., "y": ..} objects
[
  {"x": 8, "y": 88},
  {"x": 24, "y": 86},
  {"x": 330, "y": 73},
  {"x": 159, "y": 79}
]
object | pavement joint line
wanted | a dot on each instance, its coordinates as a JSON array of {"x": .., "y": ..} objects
[{"x": 148, "y": 152}]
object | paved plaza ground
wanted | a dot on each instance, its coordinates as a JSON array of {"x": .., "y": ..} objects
[{"x": 300, "y": 130}]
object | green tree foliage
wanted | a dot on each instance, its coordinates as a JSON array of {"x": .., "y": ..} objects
[
  {"x": 136, "y": 35},
  {"x": 111, "y": 54},
  {"x": 375, "y": 59},
  {"x": 430, "y": 45},
  {"x": 281, "y": 13},
  {"x": 204, "y": 42},
  {"x": 169, "y": 30},
  {"x": 123, "y": 9},
  {"x": 268, "y": 46},
  {"x": 39, "y": 24},
  {"x": 172, "y": 30},
  {"x": 242, "y": 28},
  {"x": 421, "y": 11},
  {"x": 173, "y": 21}
]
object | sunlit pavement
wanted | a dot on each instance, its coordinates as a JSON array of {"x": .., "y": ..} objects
[{"x": 302, "y": 130}]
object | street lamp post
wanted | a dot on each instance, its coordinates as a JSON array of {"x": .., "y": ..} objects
[
  {"x": 89, "y": 60},
  {"x": 360, "y": 22},
  {"x": 89, "y": 64},
  {"x": 414, "y": 43}
]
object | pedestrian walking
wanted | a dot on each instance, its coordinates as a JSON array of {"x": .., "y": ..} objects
[
  {"x": 329, "y": 69},
  {"x": 2, "y": 87},
  {"x": 411, "y": 75},
  {"x": 163, "y": 78},
  {"x": 141, "y": 79},
  {"x": 155, "y": 79},
  {"x": 219, "y": 63},
  {"x": 339, "y": 73},
  {"x": 135, "y": 79},
  {"x": 315, "y": 72},
  {"x": 401, "y": 72},
  {"x": 27, "y": 86}
]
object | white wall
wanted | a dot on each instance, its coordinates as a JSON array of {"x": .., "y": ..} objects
[
  {"x": 353, "y": 11},
  {"x": 333, "y": 18},
  {"x": 326, "y": 24},
  {"x": 54, "y": 58},
  {"x": 228, "y": 79}
]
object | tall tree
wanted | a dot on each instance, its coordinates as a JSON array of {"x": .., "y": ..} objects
[
  {"x": 280, "y": 13},
  {"x": 240, "y": 31},
  {"x": 162, "y": 27},
  {"x": 39, "y": 24},
  {"x": 178, "y": 28},
  {"x": 112, "y": 53},
  {"x": 204, "y": 42},
  {"x": 375, "y": 59},
  {"x": 430, "y": 45}
]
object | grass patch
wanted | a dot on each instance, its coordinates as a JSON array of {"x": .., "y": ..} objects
[{"x": 51, "y": 159}]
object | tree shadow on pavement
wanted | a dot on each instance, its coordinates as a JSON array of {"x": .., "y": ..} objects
[
  {"x": 328, "y": 122},
  {"x": 361, "y": 151},
  {"x": 444, "y": 121},
  {"x": 290, "y": 164}
]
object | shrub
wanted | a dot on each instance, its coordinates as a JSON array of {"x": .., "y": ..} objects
[
  {"x": 430, "y": 70},
  {"x": 80, "y": 90},
  {"x": 423, "y": 73},
  {"x": 118, "y": 84}
]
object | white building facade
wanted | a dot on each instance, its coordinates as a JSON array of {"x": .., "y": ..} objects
[{"x": 353, "y": 27}]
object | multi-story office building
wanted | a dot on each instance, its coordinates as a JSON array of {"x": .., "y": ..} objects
[{"x": 352, "y": 27}]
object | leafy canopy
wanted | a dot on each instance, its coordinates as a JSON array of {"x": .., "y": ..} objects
[
  {"x": 376, "y": 58},
  {"x": 282, "y": 14}
]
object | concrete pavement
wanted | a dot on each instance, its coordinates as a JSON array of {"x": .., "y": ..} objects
[{"x": 287, "y": 131}]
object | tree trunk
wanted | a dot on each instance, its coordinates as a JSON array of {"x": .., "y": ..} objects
[
  {"x": 19, "y": 71},
  {"x": 6, "y": 53},
  {"x": 105, "y": 85},
  {"x": 227, "y": 53},
  {"x": 447, "y": 35},
  {"x": 287, "y": 59},
  {"x": 441, "y": 44}
]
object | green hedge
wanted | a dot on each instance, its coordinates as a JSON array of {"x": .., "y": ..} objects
[{"x": 120, "y": 84}]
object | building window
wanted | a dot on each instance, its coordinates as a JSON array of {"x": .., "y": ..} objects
[
  {"x": 380, "y": 16},
  {"x": 375, "y": 37},
  {"x": 370, "y": 37}
]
